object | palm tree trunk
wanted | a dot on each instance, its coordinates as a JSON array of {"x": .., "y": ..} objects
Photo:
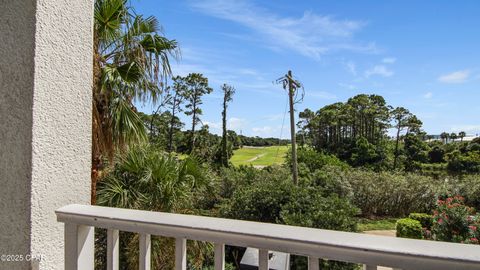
[
  {"x": 96, "y": 123},
  {"x": 224, "y": 155}
]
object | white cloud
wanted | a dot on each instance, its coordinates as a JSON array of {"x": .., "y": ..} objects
[
  {"x": 311, "y": 35},
  {"x": 348, "y": 86},
  {"x": 380, "y": 70},
  {"x": 269, "y": 131},
  {"x": 236, "y": 123},
  {"x": 214, "y": 127},
  {"x": 472, "y": 129},
  {"x": 460, "y": 76},
  {"x": 351, "y": 67},
  {"x": 233, "y": 123},
  {"x": 428, "y": 95},
  {"x": 389, "y": 60},
  {"x": 320, "y": 95}
]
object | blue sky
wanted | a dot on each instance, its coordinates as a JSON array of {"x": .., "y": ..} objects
[{"x": 422, "y": 55}]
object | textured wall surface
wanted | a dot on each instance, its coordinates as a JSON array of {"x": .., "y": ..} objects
[
  {"x": 45, "y": 126},
  {"x": 17, "y": 31}
]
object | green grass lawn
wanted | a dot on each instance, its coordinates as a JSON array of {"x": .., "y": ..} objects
[
  {"x": 376, "y": 224},
  {"x": 259, "y": 156}
]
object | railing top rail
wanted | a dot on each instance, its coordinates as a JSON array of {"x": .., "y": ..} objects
[{"x": 344, "y": 246}]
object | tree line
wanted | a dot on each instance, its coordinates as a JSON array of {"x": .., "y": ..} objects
[{"x": 357, "y": 131}]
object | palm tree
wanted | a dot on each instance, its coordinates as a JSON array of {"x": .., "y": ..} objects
[
  {"x": 453, "y": 136},
  {"x": 131, "y": 59},
  {"x": 147, "y": 179},
  {"x": 444, "y": 136},
  {"x": 462, "y": 134}
]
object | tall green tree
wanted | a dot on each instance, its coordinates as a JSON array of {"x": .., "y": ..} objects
[
  {"x": 461, "y": 135},
  {"x": 401, "y": 117},
  {"x": 130, "y": 59},
  {"x": 196, "y": 86},
  {"x": 175, "y": 104},
  {"x": 228, "y": 92}
]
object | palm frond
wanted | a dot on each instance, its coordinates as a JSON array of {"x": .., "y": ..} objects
[
  {"x": 109, "y": 15},
  {"x": 126, "y": 125}
]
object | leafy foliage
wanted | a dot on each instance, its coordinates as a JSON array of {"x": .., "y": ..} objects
[
  {"x": 269, "y": 195},
  {"x": 152, "y": 180},
  {"x": 314, "y": 160},
  {"x": 391, "y": 194},
  {"x": 425, "y": 219},
  {"x": 409, "y": 228},
  {"x": 130, "y": 56},
  {"x": 453, "y": 221}
]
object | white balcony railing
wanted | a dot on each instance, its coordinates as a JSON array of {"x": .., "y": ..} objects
[{"x": 359, "y": 248}]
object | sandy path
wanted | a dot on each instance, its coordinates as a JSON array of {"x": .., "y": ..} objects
[{"x": 256, "y": 157}]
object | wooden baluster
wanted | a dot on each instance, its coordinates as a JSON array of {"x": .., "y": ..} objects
[
  {"x": 145, "y": 252},
  {"x": 79, "y": 247},
  {"x": 219, "y": 256},
  {"x": 112, "y": 249},
  {"x": 313, "y": 263},
  {"x": 263, "y": 259},
  {"x": 180, "y": 254}
]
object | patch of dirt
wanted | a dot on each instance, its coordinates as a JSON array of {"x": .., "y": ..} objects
[{"x": 390, "y": 233}]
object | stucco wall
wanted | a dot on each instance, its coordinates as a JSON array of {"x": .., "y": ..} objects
[
  {"x": 45, "y": 126},
  {"x": 17, "y": 31}
]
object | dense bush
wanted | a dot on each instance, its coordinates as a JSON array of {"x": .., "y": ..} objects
[
  {"x": 453, "y": 221},
  {"x": 308, "y": 208},
  {"x": 409, "y": 228},
  {"x": 315, "y": 160},
  {"x": 261, "y": 201},
  {"x": 425, "y": 220},
  {"x": 464, "y": 163},
  {"x": 470, "y": 189},
  {"x": 331, "y": 180},
  {"x": 467, "y": 185},
  {"x": 276, "y": 199},
  {"x": 148, "y": 179},
  {"x": 272, "y": 197},
  {"x": 391, "y": 194}
]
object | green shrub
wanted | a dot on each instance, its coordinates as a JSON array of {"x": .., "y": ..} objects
[
  {"x": 425, "y": 220},
  {"x": 148, "y": 179},
  {"x": 315, "y": 160},
  {"x": 464, "y": 163},
  {"x": 409, "y": 228},
  {"x": 453, "y": 221},
  {"x": 391, "y": 194},
  {"x": 469, "y": 187},
  {"x": 332, "y": 180},
  {"x": 273, "y": 198},
  {"x": 261, "y": 201},
  {"x": 308, "y": 208}
]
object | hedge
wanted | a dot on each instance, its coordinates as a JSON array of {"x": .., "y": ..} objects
[
  {"x": 409, "y": 228},
  {"x": 425, "y": 220}
]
